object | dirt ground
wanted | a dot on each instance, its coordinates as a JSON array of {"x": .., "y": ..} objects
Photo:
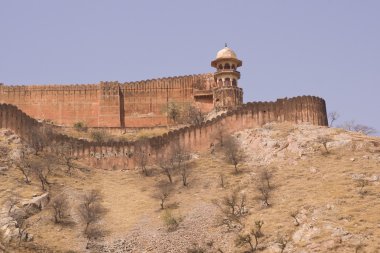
[{"x": 321, "y": 188}]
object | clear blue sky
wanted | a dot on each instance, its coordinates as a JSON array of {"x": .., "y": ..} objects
[{"x": 327, "y": 48}]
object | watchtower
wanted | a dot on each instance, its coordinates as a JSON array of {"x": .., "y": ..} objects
[{"x": 227, "y": 94}]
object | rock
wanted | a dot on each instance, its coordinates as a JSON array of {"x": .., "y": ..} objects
[
  {"x": 313, "y": 170},
  {"x": 305, "y": 233},
  {"x": 3, "y": 169},
  {"x": 26, "y": 237},
  {"x": 374, "y": 178},
  {"x": 352, "y": 159},
  {"x": 38, "y": 201}
]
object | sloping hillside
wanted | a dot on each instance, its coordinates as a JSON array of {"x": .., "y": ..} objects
[{"x": 323, "y": 196}]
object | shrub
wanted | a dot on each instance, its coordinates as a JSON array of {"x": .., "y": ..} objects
[
  {"x": 99, "y": 135},
  {"x": 80, "y": 127},
  {"x": 171, "y": 221}
]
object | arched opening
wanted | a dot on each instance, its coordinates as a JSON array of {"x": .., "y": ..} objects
[
  {"x": 220, "y": 82},
  {"x": 234, "y": 83},
  {"x": 227, "y": 66},
  {"x": 233, "y": 67},
  {"x": 220, "y": 66},
  {"x": 227, "y": 82}
]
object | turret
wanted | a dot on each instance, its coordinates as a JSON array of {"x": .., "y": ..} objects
[{"x": 227, "y": 94}]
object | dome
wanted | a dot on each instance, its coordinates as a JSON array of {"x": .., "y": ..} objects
[{"x": 226, "y": 53}]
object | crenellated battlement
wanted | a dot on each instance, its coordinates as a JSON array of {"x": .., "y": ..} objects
[
  {"x": 111, "y": 103},
  {"x": 197, "y": 138}
]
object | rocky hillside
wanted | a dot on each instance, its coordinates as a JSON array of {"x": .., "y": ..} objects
[{"x": 296, "y": 188}]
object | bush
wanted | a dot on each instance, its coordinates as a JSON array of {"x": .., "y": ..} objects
[
  {"x": 171, "y": 221},
  {"x": 99, "y": 135},
  {"x": 80, "y": 127}
]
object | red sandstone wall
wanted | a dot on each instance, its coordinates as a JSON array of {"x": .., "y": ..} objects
[
  {"x": 120, "y": 154},
  {"x": 108, "y": 104},
  {"x": 145, "y": 102},
  {"x": 62, "y": 104}
]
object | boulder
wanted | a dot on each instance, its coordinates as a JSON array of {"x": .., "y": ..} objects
[{"x": 39, "y": 202}]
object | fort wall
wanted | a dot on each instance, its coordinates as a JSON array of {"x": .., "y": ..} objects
[
  {"x": 194, "y": 138},
  {"x": 109, "y": 104}
]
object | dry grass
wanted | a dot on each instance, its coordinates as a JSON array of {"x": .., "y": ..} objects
[
  {"x": 116, "y": 135},
  {"x": 327, "y": 199}
]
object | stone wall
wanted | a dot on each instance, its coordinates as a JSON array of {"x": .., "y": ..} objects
[
  {"x": 109, "y": 104},
  {"x": 194, "y": 138}
]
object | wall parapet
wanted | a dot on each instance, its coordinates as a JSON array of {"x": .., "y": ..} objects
[{"x": 194, "y": 138}]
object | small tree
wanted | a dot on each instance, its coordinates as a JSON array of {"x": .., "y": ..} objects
[
  {"x": 173, "y": 111},
  {"x": 264, "y": 193},
  {"x": 282, "y": 241},
  {"x": 233, "y": 207},
  {"x": 353, "y": 126},
  {"x": 174, "y": 161},
  {"x": 333, "y": 116},
  {"x": 233, "y": 153},
  {"x": 24, "y": 165},
  {"x": 142, "y": 157},
  {"x": 66, "y": 153},
  {"x": 266, "y": 177},
  {"x": 195, "y": 116},
  {"x": 163, "y": 192},
  {"x": 90, "y": 209},
  {"x": 185, "y": 171},
  {"x": 40, "y": 170},
  {"x": 60, "y": 206},
  {"x": 246, "y": 239},
  {"x": 220, "y": 134},
  {"x": 40, "y": 138}
]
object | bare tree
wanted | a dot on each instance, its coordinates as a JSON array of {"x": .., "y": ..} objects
[
  {"x": 175, "y": 159},
  {"x": 282, "y": 241},
  {"x": 195, "y": 116},
  {"x": 264, "y": 193},
  {"x": 246, "y": 239},
  {"x": 40, "y": 138},
  {"x": 333, "y": 116},
  {"x": 164, "y": 190},
  {"x": 353, "y": 126},
  {"x": 142, "y": 157},
  {"x": 60, "y": 206},
  {"x": 233, "y": 153},
  {"x": 233, "y": 207},
  {"x": 220, "y": 134},
  {"x": 24, "y": 165},
  {"x": 168, "y": 168},
  {"x": 185, "y": 171},
  {"x": 90, "y": 209},
  {"x": 173, "y": 111},
  {"x": 66, "y": 153},
  {"x": 41, "y": 171},
  {"x": 266, "y": 177}
]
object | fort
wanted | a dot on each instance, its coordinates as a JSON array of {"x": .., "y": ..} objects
[{"x": 144, "y": 104}]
